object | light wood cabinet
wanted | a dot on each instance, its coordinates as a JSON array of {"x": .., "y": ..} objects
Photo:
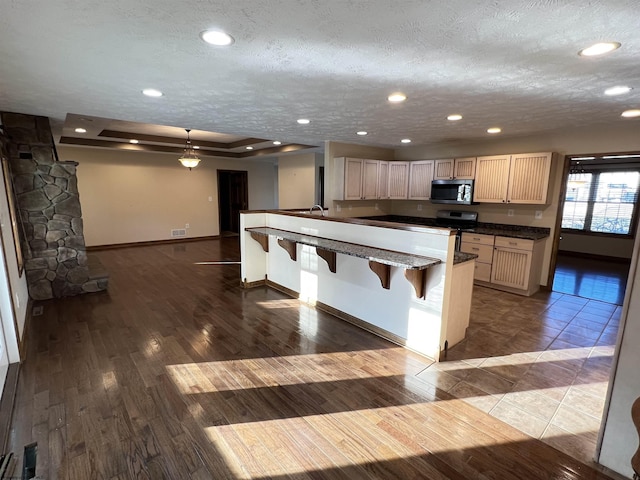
[
  {"x": 492, "y": 179},
  {"x": 356, "y": 178},
  {"x": 452, "y": 168},
  {"x": 529, "y": 178},
  {"x": 505, "y": 263},
  {"x": 383, "y": 179},
  {"x": 398, "y": 184},
  {"x": 370, "y": 170},
  {"x": 519, "y": 178},
  {"x": 481, "y": 245},
  {"x": 420, "y": 178},
  {"x": 517, "y": 264}
]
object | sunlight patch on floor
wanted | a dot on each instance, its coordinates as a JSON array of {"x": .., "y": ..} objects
[{"x": 195, "y": 378}]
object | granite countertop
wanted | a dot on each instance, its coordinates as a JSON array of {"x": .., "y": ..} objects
[
  {"x": 513, "y": 231},
  {"x": 461, "y": 257},
  {"x": 500, "y": 229},
  {"x": 386, "y": 257}
]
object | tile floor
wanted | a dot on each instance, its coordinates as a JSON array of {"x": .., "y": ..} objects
[{"x": 540, "y": 364}]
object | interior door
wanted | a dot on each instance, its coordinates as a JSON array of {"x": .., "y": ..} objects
[{"x": 233, "y": 197}]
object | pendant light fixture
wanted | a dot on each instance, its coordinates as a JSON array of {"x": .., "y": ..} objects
[{"x": 189, "y": 158}]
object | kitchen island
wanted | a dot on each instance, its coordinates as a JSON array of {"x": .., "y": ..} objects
[{"x": 402, "y": 282}]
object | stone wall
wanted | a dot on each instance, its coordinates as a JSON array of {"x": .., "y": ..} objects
[{"x": 49, "y": 210}]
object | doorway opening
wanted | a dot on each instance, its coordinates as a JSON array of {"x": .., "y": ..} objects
[
  {"x": 597, "y": 221},
  {"x": 233, "y": 197}
]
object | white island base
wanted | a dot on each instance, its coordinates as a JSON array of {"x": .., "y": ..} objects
[{"x": 399, "y": 282}]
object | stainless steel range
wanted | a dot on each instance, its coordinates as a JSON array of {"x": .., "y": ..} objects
[{"x": 458, "y": 219}]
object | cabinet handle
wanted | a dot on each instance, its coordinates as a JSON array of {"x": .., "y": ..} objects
[
  {"x": 475, "y": 248},
  {"x": 513, "y": 243}
]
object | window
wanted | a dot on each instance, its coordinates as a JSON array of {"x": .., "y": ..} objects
[{"x": 600, "y": 201}]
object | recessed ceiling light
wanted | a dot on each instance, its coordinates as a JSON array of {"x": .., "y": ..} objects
[
  {"x": 599, "y": 49},
  {"x": 455, "y": 117},
  {"x": 217, "y": 38},
  {"x": 494, "y": 130},
  {"x": 303, "y": 121},
  {"x": 277, "y": 142},
  {"x": 81, "y": 130},
  {"x": 361, "y": 132},
  {"x": 249, "y": 148},
  {"x": 134, "y": 141},
  {"x": 152, "y": 92},
  {"x": 617, "y": 90},
  {"x": 397, "y": 97},
  {"x": 196, "y": 147},
  {"x": 631, "y": 113},
  {"x": 406, "y": 140}
]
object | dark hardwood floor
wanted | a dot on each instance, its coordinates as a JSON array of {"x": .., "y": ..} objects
[
  {"x": 591, "y": 278},
  {"x": 178, "y": 373}
]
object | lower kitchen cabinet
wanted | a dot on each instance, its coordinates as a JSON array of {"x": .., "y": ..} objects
[
  {"x": 481, "y": 245},
  {"x": 506, "y": 263}
]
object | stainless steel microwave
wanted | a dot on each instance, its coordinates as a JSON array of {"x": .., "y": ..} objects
[{"x": 458, "y": 192}]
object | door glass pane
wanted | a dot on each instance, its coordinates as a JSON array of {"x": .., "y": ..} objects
[
  {"x": 576, "y": 200},
  {"x": 614, "y": 202}
]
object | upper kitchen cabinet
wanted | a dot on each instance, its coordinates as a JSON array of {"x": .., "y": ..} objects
[
  {"x": 356, "y": 178},
  {"x": 519, "y": 178},
  {"x": 398, "y": 183},
  {"x": 455, "y": 168},
  {"x": 420, "y": 178},
  {"x": 383, "y": 179}
]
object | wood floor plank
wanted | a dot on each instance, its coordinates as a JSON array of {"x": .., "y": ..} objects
[{"x": 177, "y": 372}]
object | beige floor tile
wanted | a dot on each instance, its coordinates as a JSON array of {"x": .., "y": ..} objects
[
  {"x": 534, "y": 403},
  {"x": 520, "y": 419},
  {"x": 442, "y": 380},
  {"x": 585, "y": 402},
  {"x": 474, "y": 396},
  {"x": 575, "y": 421}
]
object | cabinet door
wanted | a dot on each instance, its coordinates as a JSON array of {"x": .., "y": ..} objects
[
  {"x": 511, "y": 267},
  {"x": 420, "y": 178},
  {"x": 529, "y": 178},
  {"x": 465, "y": 168},
  {"x": 444, "y": 169},
  {"x": 383, "y": 180},
  {"x": 492, "y": 179},
  {"x": 353, "y": 179},
  {"x": 370, "y": 179},
  {"x": 398, "y": 180}
]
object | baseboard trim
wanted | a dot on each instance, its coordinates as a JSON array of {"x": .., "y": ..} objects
[
  {"x": 593, "y": 256},
  {"x": 95, "y": 248}
]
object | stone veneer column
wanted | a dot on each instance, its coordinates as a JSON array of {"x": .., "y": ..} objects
[{"x": 49, "y": 210}]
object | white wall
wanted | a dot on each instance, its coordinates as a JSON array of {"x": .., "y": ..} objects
[
  {"x": 619, "y": 436},
  {"x": 297, "y": 181},
  {"x": 594, "y": 245},
  {"x": 140, "y": 196},
  {"x": 14, "y": 295}
]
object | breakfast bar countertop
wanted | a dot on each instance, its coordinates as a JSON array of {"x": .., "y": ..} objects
[{"x": 386, "y": 257}]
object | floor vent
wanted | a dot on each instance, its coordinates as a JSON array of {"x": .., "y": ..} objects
[
  {"x": 37, "y": 310},
  {"x": 178, "y": 232},
  {"x": 29, "y": 465}
]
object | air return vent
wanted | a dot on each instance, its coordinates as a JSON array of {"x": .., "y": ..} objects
[{"x": 178, "y": 232}]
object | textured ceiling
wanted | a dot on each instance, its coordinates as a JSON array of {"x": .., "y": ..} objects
[{"x": 506, "y": 63}]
